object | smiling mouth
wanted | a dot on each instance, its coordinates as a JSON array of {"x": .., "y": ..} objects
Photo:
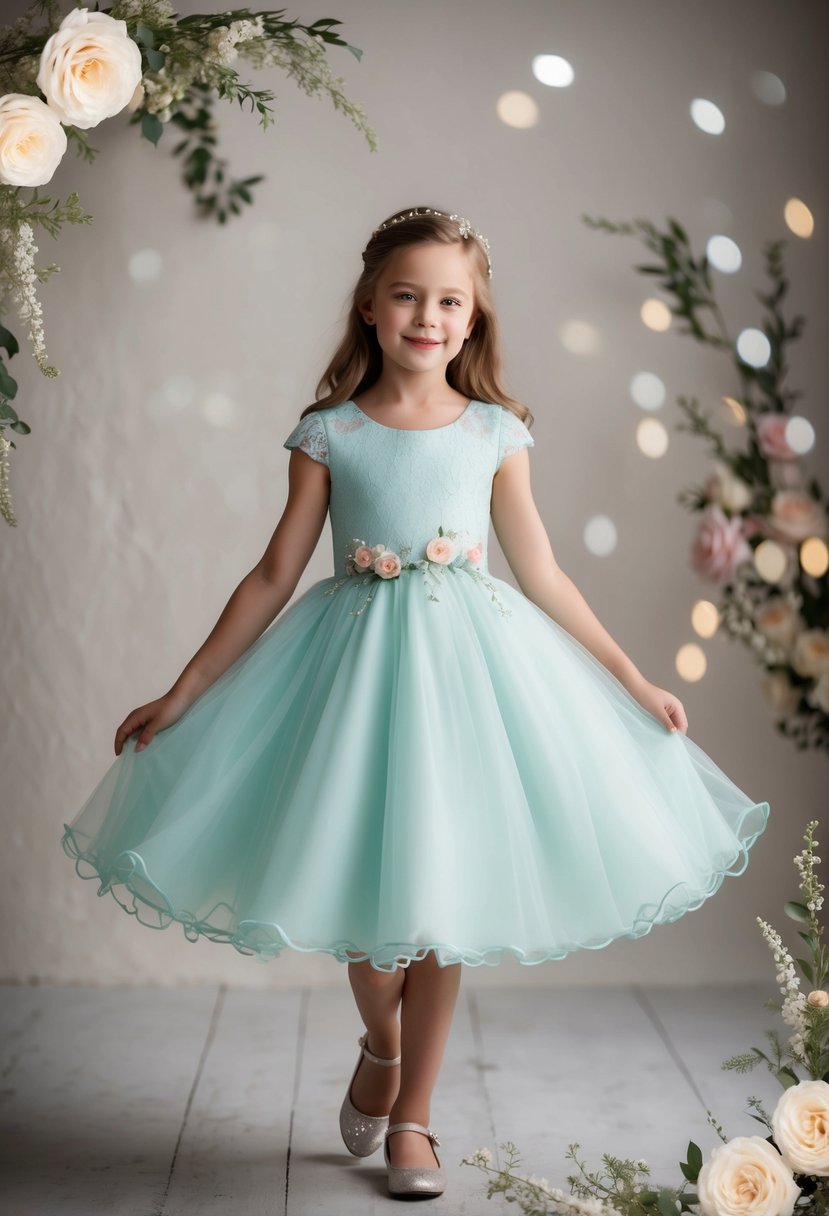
[{"x": 422, "y": 342}]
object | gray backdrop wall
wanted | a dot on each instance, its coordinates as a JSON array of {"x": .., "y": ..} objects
[{"x": 155, "y": 472}]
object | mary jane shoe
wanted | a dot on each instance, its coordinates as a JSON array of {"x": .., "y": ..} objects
[
  {"x": 363, "y": 1134},
  {"x": 414, "y": 1179}
]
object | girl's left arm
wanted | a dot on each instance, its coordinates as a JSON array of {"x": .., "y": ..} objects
[{"x": 526, "y": 545}]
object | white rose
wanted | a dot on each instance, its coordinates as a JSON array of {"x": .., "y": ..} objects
[
  {"x": 801, "y": 1127},
  {"x": 32, "y": 141},
  {"x": 781, "y": 695},
  {"x": 89, "y": 68},
  {"x": 726, "y": 488},
  {"x": 810, "y": 653},
  {"x": 746, "y": 1177}
]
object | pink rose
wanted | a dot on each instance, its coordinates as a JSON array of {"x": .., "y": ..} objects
[
  {"x": 387, "y": 564},
  {"x": 363, "y": 557},
  {"x": 795, "y": 515},
  {"x": 440, "y": 549},
  {"x": 719, "y": 546},
  {"x": 771, "y": 436},
  {"x": 475, "y": 553}
]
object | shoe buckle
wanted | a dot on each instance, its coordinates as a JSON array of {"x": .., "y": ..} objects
[{"x": 434, "y": 1139}]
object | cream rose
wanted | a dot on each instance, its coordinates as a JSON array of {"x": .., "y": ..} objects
[
  {"x": 719, "y": 546},
  {"x": 32, "y": 141},
  {"x": 779, "y": 621},
  {"x": 801, "y": 1127},
  {"x": 89, "y": 68},
  {"x": 440, "y": 549},
  {"x": 780, "y": 694},
  {"x": 810, "y": 653},
  {"x": 726, "y": 488},
  {"x": 818, "y": 998},
  {"x": 387, "y": 564},
  {"x": 795, "y": 515},
  {"x": 746, "y": 1177}
]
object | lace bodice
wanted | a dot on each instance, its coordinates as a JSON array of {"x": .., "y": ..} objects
[{"x": 398, "y": 487}]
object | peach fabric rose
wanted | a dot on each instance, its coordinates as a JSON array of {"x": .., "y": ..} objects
[
  {"x": 363, "y": 557},
  {"x": 779, "y": 621},
  {"x": 387, "y": 564},
  {"x": 801, "y": 1127},
  {"x": 746, "y": 1176},
  {"x": 89, "y": 68},
  {"x": 440, "y": 549},
  {"x": 32, "y": 141},
  {"x": 795, "y": 515},
  {"x": 475, "y": 552},
  {"x": 719, "y": 546},
  {"x": 771, "y": 437}
]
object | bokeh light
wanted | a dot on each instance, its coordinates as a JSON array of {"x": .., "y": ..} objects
[
  {"x": 652, "y": 437},
  {"x": 647, "y": 390},
  {"x": 553, "y": 70},
  {"x": 517, "y": 109},
  {"x": 707, "y": 116},
  {"x": 600, "y": 536}
]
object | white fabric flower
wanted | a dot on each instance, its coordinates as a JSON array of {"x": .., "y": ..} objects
[
  {"x": 801, "y": 1127},
  {"x": 89, "y": 68},
  {"x": 746, "y": 1177},
  {"x": 32, "y": 141}
]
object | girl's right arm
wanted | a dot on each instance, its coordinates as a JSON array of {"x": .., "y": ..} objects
[{"x": 259, "y": 597}]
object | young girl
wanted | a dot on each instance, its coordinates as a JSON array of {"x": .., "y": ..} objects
[{"x": 417, "y": 765}]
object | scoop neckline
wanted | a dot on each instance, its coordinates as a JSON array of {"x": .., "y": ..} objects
[{"x": 408, "y": 430}]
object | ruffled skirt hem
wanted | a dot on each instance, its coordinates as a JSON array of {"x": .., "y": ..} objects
[{"x": 132, "y": 887}]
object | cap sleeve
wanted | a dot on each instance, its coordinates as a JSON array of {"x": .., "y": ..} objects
[
  {"x": 309, "y": 434},
  {"x": 513, "y": 436}
]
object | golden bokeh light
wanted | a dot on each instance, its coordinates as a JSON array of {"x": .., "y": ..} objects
[
  {"x": 656, "y": 314},
  {"x": 814, "y": 556},
  {"x": 799, "y": 218},
  {"x": 691, "y": 663},
  {"x": 770, "y": 561},
  {"x": 705, "y": 618}
]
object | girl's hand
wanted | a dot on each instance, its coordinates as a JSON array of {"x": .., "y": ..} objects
[
  {"x": 153, "y": 717},
  {"x": 664, "y": 706}
]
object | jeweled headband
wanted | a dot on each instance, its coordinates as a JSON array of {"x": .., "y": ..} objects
[{"x": 464, "y": 227}]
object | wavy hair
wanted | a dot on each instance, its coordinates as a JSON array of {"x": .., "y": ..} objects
[{"x": 357, "y": 362}]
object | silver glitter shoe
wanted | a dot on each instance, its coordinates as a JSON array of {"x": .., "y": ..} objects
[
  {"x": 414, "y": 1179},
  {"x": 363, "y": 1134}
]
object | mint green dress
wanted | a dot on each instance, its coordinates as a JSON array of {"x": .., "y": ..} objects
[{"x": 413, "y": 756}]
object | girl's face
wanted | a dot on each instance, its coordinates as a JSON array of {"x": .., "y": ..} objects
[{"x": 425, "y": 291}]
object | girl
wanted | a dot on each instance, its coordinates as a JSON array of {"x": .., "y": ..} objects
[{"x": 417, "y": 766}]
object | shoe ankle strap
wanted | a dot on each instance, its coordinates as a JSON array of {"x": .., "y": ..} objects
[
  {"x": 413, "y": 1127},
  {"x": 363, "y": 1041}
]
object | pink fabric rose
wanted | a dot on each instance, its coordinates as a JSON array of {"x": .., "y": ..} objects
[
  {"x": 387, "y": 564},
  {"x": 363, "y": 557},
  {"x": 440, "y": 549},
  {"x": 771, "y": 436},
  {"x": 475, "y": 552},
  {"x": 719, "y": 546}
]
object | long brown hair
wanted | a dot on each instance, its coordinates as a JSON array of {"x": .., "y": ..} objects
[{"x": 358, "y": 360}]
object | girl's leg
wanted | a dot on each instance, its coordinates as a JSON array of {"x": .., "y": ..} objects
[
  {"x": 429, "y": 996},
  {"x": 377, "y": 994}
]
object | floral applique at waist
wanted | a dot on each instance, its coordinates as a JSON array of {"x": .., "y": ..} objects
[{"x": 442, "y": 553}]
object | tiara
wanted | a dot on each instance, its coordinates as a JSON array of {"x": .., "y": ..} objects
[{"x": 464, "y": 227}]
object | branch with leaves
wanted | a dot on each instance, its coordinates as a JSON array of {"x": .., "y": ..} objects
[{"x": 758, "y": 495}]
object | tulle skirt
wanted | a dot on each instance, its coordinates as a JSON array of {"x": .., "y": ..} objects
[{"x": 422, "y": 775}]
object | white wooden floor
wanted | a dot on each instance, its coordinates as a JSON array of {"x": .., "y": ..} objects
[{"x": 206, "y": 1101}]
